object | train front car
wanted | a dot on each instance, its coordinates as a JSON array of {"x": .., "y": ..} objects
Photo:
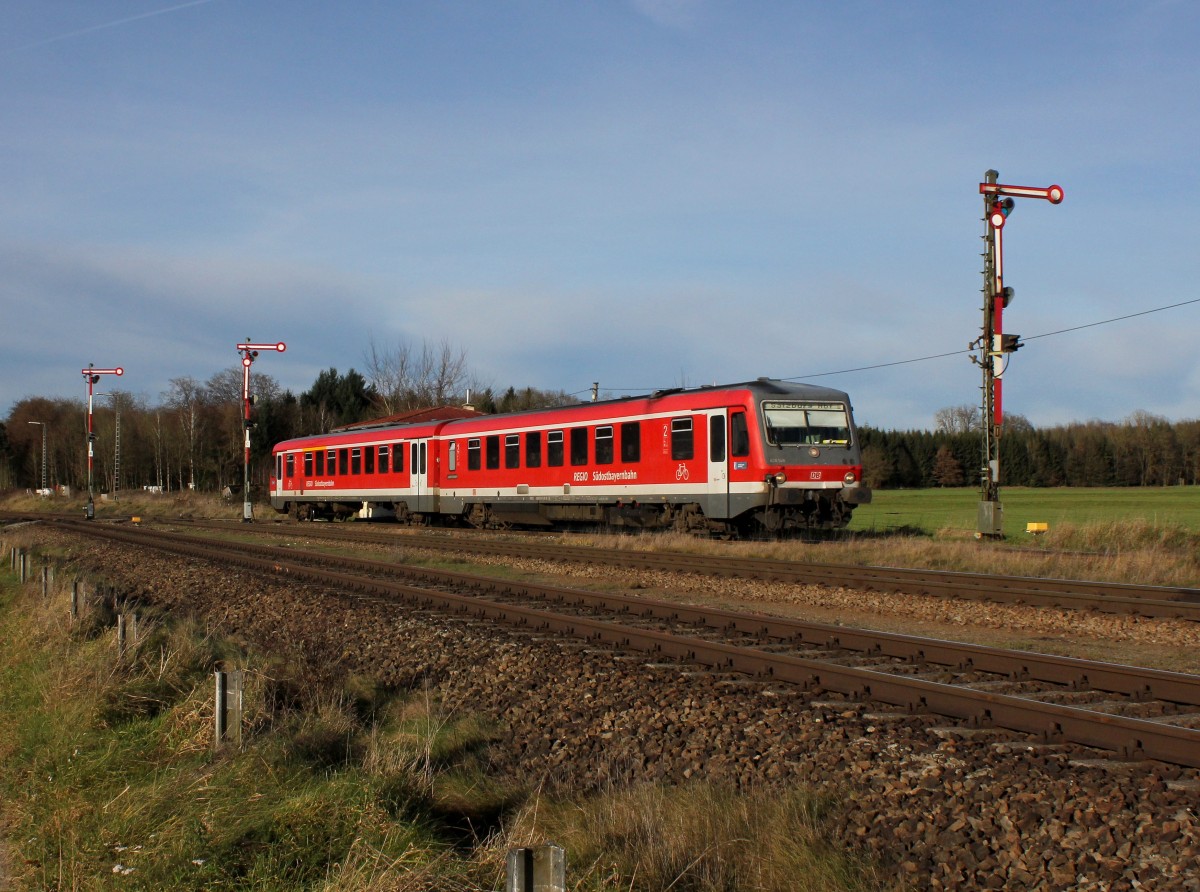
[{"x": 804, "y": 468}]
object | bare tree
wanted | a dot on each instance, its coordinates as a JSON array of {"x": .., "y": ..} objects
[
  {"x": 962, "y": 419},
  {"x": 946, "y": 468},
  {"x": 404, "y": 379},
  {"x": 186, "y": 398}
]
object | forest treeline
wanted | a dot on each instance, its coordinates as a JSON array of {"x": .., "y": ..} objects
[
  {"x": 191, "y": 437},
  {"x": 1142, "y": 450}
]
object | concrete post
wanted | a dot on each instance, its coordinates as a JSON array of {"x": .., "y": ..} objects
[
  {"x": 539, "y": 869},
  {"x": 229, "y": 707}
]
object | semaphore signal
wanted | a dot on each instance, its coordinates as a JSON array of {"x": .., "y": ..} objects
[
  {"x": 994, "y": 345},
  {"x": 249, "y": 354}
]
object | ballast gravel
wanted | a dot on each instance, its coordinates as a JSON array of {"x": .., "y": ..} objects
[{"x": 943, "y": 807}]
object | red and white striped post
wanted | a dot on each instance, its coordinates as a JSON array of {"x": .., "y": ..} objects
[
  {"x": 91, "y": 375},
  {"x": 999, "y": 201},
  {"x": 249, "y": 354}
]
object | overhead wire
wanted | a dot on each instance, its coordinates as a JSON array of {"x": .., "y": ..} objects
[
  {"x": 1046, "y": 334},
  {"x": 884, "y": 365}
]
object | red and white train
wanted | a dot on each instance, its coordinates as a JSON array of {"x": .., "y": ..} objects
[{"x": 763, "y": 456}]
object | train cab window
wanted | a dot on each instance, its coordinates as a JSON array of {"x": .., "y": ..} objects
[
  {"x": 397, "y": 458},
  {"x": 308, "y": 464},
  {"x": 739, "y": 435},
  {"x": 631, "y": 442},
  {"x": 291, "y": 464},
  {"x": 554, "y": 449},
  {"x": 368, "y": 459},
  {"x": 512, "y": 450},
  {"x": 716, "y": 439},
  {"x": 474, "y": 454},
  {"x": 356, "y": 461},
  {"x": 604, "y": 445},
  {"x": 320, "y": 471},
  {"x": 805, "y": 424},
  {"x": 385, "y": 455},
  {"x": 533, "y": 449},
  {"x": 683, "y": 441},
  {"x": 579, "y": 446},
  {"x": 491, "y": 448}
]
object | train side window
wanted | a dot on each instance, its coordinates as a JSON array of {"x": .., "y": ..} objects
[
  {"x": 512, "y": 450},
  {"x": 422, "y": 471},
  {"x": 491, "y": 450},
  {"x": 344, "y": 461},
  {"x": 291, "y": 464},
  {"x": 320, "y": 472},
  {"x": 739, "y": 435},
  {"x": 356, "y": 461},
  {"x": 604, "y": 445},
  {"x": 716, "y": 438},
  {"x": 474, "y": 455},
  {"x": 579, "y": 446},
  {"x": 278, "y": 467},
  {"x": 385, "y": 454},
  {"x": 368, "y": 459},
  {"x": 533, "y": 449},
  {"x": 452, "y": 455},
  {"x": 398, "y": 458},
  {"x": 554, "y": 449},
  {"x": 308, "y": 464},
  {"x": 631, "y": 442},
  {"x": 683, "y": 441}
]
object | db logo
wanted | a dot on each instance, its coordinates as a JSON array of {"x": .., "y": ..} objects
[{"x": 814, "y": 475}]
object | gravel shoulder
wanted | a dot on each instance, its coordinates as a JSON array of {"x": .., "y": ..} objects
[{"x": 946, "y": 808}]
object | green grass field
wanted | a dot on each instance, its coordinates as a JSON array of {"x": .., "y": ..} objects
[{"x": 955, "y": 510}]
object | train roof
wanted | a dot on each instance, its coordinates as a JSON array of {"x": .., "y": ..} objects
[{"x": 761, "y": 388}]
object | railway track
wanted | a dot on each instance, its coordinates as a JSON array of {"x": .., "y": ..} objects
[
  {"x": 1130, "y": 712},
  {"x": 1164, "y": 602}
]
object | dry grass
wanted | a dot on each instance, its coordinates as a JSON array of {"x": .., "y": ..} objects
[
  {"x": 108, "y": 768},
  {"x": 699, "y": 837},
  {"x": 1136, "y": 551}
]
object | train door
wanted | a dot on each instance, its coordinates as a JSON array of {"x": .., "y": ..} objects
[
  {"x": 718, "y": 465},
  {"x": 419, "y": 469}
]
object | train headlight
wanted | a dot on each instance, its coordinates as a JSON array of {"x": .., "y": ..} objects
[
  {"x": 780, "y": 478},
  {"x": 849, "y": 478}
]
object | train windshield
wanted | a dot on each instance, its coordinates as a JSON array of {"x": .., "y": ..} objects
[{"x": 806, "y": 424}]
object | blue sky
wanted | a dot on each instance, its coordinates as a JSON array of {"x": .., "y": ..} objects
[{"x": 643, "y": 193}]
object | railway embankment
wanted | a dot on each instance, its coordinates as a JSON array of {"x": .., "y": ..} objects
[{"x": 934, "y": 807}]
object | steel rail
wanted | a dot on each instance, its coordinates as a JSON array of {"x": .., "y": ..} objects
[
  {"x": 1164, "y": 602},
  {"x": 1128, "y": 737},
  {"x": 1077, "y": 674}
]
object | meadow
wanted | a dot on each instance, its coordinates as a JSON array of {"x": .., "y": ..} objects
[{"x": 953, "y": 511}]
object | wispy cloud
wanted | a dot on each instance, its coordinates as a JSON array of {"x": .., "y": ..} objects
[{"x": 103, "y": 26}]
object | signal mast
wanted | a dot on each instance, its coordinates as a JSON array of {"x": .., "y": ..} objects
[
  {"x": 249, "y": 353},
  {"x": 91, "y": 375},
  {"x": 994, "y": 345}
]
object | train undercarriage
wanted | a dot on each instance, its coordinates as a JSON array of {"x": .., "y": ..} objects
[{"x": 816, "y": 512}]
